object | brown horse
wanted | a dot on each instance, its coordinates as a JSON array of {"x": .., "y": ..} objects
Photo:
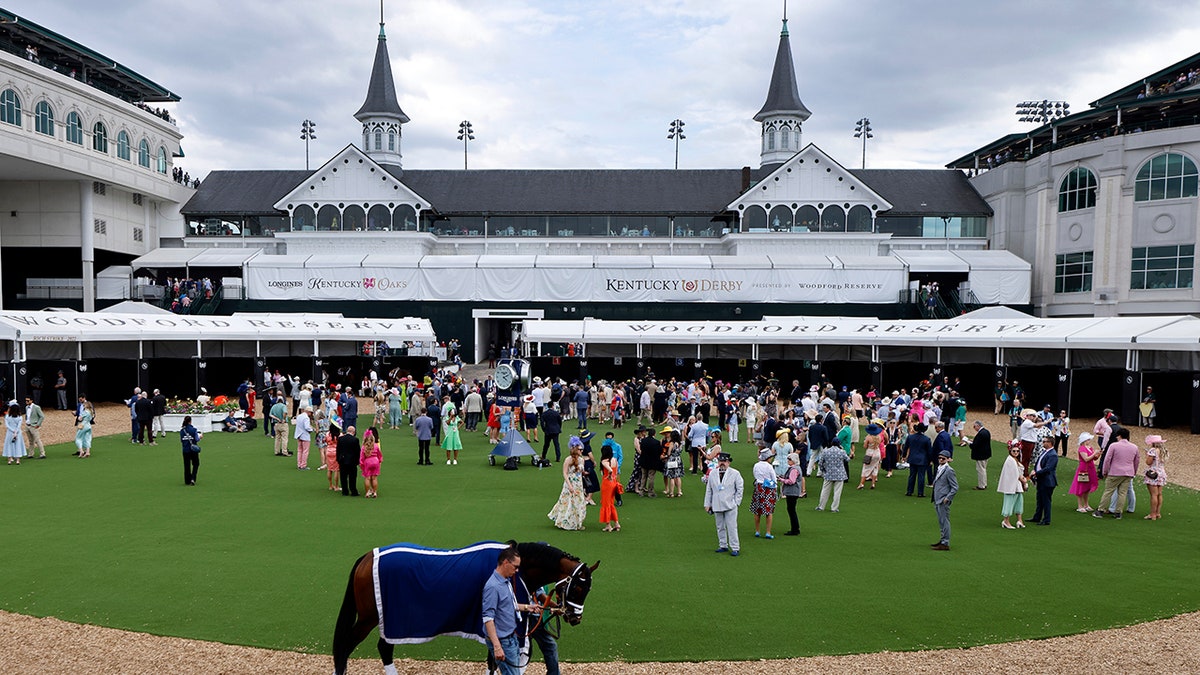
[{"x": 541, "y": 564}]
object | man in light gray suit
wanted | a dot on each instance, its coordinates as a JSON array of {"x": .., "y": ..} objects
[
  {"x": 945, "y": 486},
  {"x": 722, "y": 497}
]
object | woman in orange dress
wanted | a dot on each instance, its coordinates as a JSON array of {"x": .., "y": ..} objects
[{"x": 610, "y": 484}]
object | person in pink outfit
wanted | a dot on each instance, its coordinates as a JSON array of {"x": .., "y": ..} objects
[
  {"x": 330, "y": 454},
  {"x": 303, "y": 434},
  {"x": 370, "y": 458},
  {"x": 1086, "y": 481}
]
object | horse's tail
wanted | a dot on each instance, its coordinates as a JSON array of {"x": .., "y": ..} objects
[{"x": 343, "y": 629}]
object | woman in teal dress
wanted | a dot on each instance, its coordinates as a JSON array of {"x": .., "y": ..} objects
[
  {"x": 450, "y": 439},
  {"x": 83, "y": 437},
  {"x": 845, "y": 436},
  {"x": 394, "y": 400}
]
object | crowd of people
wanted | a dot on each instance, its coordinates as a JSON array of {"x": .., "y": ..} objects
[{"x": 800, "y": 432}]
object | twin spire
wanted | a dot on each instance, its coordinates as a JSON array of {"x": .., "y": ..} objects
[
  {"x": 781, "y": 115},
  {"x": 783, "y": 112}
]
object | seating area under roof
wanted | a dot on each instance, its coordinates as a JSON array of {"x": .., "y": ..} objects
[{"x": 65, "y": 55}]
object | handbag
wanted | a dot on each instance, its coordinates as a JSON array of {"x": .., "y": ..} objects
[
  {"x": 1151, "y": 474},
  {"x": 673, "y": 464},
  {"x": 1083, "y": 477}
]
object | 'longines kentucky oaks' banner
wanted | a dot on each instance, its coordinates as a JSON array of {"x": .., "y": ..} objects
[{"x": 587, "y": 284}]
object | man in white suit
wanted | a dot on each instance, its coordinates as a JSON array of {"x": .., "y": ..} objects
[{"x": 722, "y": 497}]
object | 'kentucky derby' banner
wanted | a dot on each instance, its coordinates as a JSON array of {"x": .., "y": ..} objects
[{"x": 584, "y": 284}]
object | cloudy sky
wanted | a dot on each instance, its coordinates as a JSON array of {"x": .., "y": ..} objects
[{"x": 585, "y": 84}]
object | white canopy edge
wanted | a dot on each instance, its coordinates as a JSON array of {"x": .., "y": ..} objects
[
  {"x": 112, "y": 327},
  {"x": 1121, "y": 333}
]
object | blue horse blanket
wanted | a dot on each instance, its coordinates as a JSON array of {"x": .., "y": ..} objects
[{"x": 421, "y": 593}]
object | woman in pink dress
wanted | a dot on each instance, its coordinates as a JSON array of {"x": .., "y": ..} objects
[
  {"x": 369, "y": 459},
  {"x": 1085, "y": 479},
  {"x": 329, "y": 452}
]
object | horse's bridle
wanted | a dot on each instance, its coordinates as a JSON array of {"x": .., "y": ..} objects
[{"x": 563, "y": 588}]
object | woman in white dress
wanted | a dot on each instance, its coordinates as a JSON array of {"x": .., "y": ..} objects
[{"x": 751, "y": 418}]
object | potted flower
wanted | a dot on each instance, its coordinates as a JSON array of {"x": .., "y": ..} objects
[{"x": 178, "y": 408}]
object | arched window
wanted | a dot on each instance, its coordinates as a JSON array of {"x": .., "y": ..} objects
[
  {"x": 859, "y": 219},
  {"x": 123, "y": 146},
  {"x": 833, "y": 219},
  {"x": 354, "y": 219},
  {"x": 808, "y": 219},
  {"x": 10, "y": 107},
  {"x": 74, "y": 128},
  {"x": 161, "y": 164},
  {"x": 1167, "y": 176},
  {"x": 771, "y": 139},
  {"x": 144, "y": 153},
  {"x": 99, "y": 137},
  {"x": 392, "y": 141},
  {"x": 43, "y": 118},
  {"x": 378, "y": 140},
  {"x": 754, "y": 219},
  {"x": 784, "y": 138},
  {"x": 327, "y": 219},
  {"x": 379, "y": 218},
  {"x": 304, "y": 219},
  {"x": 1077, "y": 190},
  {"x": 404, "y": 218},
  {"x": 780, "y": 219}
]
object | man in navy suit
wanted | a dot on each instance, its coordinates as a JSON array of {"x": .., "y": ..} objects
[
  {"x": 1044, "y": 472},
  {"x": 917, "y": 452}
]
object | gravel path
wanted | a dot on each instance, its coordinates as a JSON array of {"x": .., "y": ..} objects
[{"x": 34, "y": 645}]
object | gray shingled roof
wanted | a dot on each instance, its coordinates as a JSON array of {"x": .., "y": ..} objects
[
  {"x": 631, "y": 191},
  {"x": 243, "y": 192},
  {"x": 381, "y": 93},
  {"x": 925, "y": 191},
  {"x": 783, "y": 97}
]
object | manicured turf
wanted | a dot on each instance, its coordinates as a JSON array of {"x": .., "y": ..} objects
[{"x": 258, "y": 553}]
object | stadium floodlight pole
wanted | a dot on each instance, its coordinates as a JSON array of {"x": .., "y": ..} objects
[
  {"x": 862, "y": 129},
  {"x": 675, "y": 133},
  {"x": 308, "y": 132},
  {"x": 465, "y": 133},
  {"x": 1042, "y": 112}
]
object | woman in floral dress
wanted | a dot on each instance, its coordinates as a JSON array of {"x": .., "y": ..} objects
[
  {"x": 673, "y": 448},
  {"x": 571, "y": 509}
]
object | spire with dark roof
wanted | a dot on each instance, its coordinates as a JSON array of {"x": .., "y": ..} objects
[
  {"x": 381, "y": 93},
  {"x": 783, "y": 98}
]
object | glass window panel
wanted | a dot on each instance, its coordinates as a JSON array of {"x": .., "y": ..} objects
[
  {"x": 1158, "y": 189},
  {"x": 833, "y": 219},
  {"x": 1189, "y": 249},
  {"x": 808, "y": 219},
  {"x": 1163, "y": 251},
  {"x": 1189, "y": 186},
  {"x": 754, "y": 219},
  {"x": 1160, "y": 279},
  {"x": 1058, "y": 285},
  {"x": 1138, "y": 280},
  {"x": 1185, "y": 278},
  {"x": 1142, "y": 192},
  {"x": 1174, "y": 187}
]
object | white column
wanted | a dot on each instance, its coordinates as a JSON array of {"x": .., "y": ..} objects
[{"x": 87, "y": 246}]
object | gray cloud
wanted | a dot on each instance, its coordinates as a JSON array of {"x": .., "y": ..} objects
[{"x": 576, "y": 84}]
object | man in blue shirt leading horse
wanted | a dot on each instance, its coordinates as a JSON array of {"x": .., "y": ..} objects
[{"x": 500, "y": 613}]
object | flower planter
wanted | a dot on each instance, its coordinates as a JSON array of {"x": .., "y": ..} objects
[{"x": 173, "y": 422}]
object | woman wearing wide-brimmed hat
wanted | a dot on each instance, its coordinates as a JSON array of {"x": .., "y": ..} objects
[
  {"x": 871, "y": 454},
  {"x": 1086, "y": 479},
  {"x": 1155, "y": 476}
]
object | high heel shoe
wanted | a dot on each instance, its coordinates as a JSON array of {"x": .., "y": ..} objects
[
  {"x": 1021, "y": 526},
  {"x": 1006, "y": 526}
]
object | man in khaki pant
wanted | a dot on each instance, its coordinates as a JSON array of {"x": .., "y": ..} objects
[
  {"x": 34, "y": 418},
  {"x": 279, "y": 418}
]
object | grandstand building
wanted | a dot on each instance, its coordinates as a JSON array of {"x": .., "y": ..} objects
[{"x": 86, "y": 167}]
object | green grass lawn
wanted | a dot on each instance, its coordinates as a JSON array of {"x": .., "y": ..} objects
[{"x": 258, "y": 554}]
